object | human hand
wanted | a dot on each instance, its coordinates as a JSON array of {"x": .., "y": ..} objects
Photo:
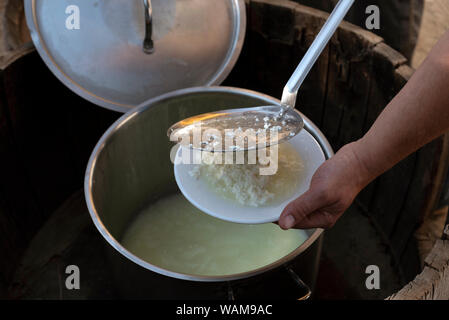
[{"x": 332, "y": 190}]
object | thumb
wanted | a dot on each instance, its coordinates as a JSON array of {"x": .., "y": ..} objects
[{"x": 300, "y": 208}]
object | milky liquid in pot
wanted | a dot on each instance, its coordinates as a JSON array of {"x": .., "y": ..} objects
[{"x": 172, "y": 234}]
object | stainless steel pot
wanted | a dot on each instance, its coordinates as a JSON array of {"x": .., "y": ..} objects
[{"x": 130, "y": 167}]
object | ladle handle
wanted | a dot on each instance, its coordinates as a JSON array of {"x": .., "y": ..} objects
[
  {"x": 148, "y": 45},
  {"x": 318, "y": 45}
]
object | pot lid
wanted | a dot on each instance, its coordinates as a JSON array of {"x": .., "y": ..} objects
[{"x": 96, "y": 48}]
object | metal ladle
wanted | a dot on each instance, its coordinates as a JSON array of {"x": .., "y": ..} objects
[{"x": 283, "y": 119}]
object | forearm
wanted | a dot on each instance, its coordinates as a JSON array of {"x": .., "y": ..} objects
[{"x": 416, "y": 116}]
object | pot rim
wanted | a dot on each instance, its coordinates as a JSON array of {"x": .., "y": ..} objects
[{"x": 308, "y": 125}]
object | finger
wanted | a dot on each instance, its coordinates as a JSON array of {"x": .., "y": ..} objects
[
  {"x": 300, "y": 208},
  {"x": 317, "y": 219}
]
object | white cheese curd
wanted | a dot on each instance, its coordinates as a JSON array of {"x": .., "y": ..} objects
[
  {"x": 172, "y": 234},
  {"x": 243, "y": 182}
]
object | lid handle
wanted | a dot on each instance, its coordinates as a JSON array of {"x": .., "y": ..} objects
[{"x": 148, "y": 45}]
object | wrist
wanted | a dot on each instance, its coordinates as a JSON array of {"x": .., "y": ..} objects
[{"x": 357, "y": 163}]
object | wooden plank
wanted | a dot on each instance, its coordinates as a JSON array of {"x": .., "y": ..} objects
[
  {"x": 343, "y": 57},
  {"x": 54, "y": 130},
  {"x": 347, "y": 90},
  {"x": 337, "y": 93},
  {"x": 274, "y": 19},
  {"x": 312, "y": 94},
  {"x": 284, "y": 51},
  {"x": 46, "y": 136},
  {"x": 439, "y": 256},
  {"x": 67, "y": 237},
  {"x": 433, "y": 282},
  {"x": 426, "y": 186},
  {"x": 349, "y": 83},
  {"x": 422, "y": 193},
  {"x": 280, "y": 64},
  {"x": 324, "y": 5},
  {"x": 307, "y": 23},
  {"x": 402, "y": 220},
  {"x": 401, "y": 75},
  {"x": 272, "y": 33},
  {"x": 13, "y": 29},
  {"x": 257, "y": 44},
  {"x": 376, "y": 102},
  {"x": 390, "y": 195},
  {"x": 357, "y": 61},
  {"x": 354, "y": 243},
  {"x": 386, "y": 195},
  {"x": 409, "y": 257},
  {"x": 440, "y": 167},
  {"x": 385, "y": 62},
  {"x": 321, "y": 8},
  {"x": 18, "y": 208},
  {"x": 430, "y": 231},
  {"x": 39, "y": 130},
  {"x": 239, "y": 75},
  {"x": 3, "y": 45},
  {"x": 382, "y": 89}
]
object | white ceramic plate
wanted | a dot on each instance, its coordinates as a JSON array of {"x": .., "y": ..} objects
[{"x": 201, "y": 196}]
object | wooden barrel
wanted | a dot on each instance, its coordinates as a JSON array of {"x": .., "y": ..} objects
[
  {"x": 46, "y": 136},
  {"x": 47, "y": 133},
  {"x": 13, "y": 29},
  {"x": 400, "y": 20}
]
